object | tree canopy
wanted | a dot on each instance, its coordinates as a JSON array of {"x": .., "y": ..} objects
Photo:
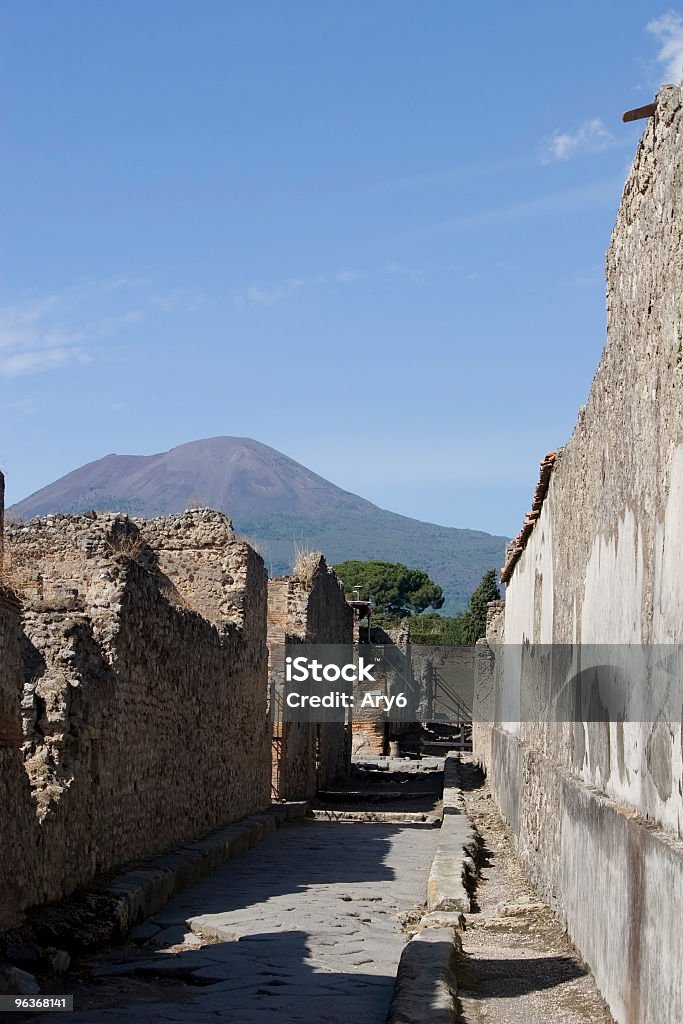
[
  {"x": 433, "y": 629},
  {"x": 459, "y": 629},
  {"x": 395, "y": 590},
  {"x": 474, "y": 619}
]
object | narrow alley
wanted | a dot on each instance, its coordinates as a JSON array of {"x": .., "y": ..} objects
[{"x": 309, "y": 926}]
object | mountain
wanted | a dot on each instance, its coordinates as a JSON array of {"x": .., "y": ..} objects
[{"x": 276, "y": 504}]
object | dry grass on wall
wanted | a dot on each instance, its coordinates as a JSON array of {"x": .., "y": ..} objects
[{"x": 306, "y": 564}]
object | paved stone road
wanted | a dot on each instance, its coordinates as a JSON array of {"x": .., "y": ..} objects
[{"x": 302, "y": 928}]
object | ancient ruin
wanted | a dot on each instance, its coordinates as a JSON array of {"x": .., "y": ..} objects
[
  {"x": 134, "y": 663},
  {"x": 595, "y": 804},
  {"x": 306, "y": 608},
  {"x": 145, "y": 759}
]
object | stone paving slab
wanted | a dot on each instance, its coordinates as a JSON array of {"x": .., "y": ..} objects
[
  {"x": 105, "y": 911},
  {"x": 303, "y": 928}
]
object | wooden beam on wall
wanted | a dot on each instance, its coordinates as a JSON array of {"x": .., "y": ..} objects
[{"x": 639, "y": 112}]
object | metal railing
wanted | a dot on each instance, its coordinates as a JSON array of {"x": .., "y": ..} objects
[{"x": 446, "y": 696}]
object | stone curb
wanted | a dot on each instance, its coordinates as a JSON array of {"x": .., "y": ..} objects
[
  {"x": 107, "y": 910},
  {"x": 144, "y": 890},
  {"x": 454, "y": 859},
  {"x": 426, "y": 981}
]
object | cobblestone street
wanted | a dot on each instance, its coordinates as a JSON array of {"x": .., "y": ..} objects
[
  {"x": 302, "y": 928},
  {"x": 308, "y": 927}
]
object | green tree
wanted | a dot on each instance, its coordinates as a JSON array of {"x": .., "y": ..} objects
[
  {"x": 396, "y": 590},
  {"x": 474, "y": 619},
  {"x": 433, "y": 629}
]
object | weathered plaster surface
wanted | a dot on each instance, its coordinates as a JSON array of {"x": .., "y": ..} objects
[{"x": 596, "y": 804}]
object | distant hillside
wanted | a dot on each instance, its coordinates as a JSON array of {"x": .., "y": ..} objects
[{"x": 275, "y": 503}]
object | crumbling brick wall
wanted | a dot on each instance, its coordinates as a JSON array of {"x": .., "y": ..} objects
[
  {"x": 596, "y": 801},
  {"x": 402, "y": 669},
  {"x": 393, "y": 674},
  {"x": 307, "y": 609},
  {"x": 143, "y": 719}
]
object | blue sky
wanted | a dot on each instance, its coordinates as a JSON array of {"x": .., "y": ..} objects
[{"x": 371, "y": 235}]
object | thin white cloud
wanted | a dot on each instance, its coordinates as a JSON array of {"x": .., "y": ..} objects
[
  {"x": 450, "y": 176},
  {"x": 41, "y": 360},
  {"x": 572, "y": 200},
  {"x": 179, "y": 300},
  {"x": 68, "y": 327},
  {"x": 23, "y": 407},
  {"x": 416, "y": 277},
  {"x": 350, "y": 276},
  {"x": 668, "y": 30},
  {"x": 386, "y": 270},
  {"x": 258, "y": 295},
  {"x": 107, "y": 326},
  {"x": 590, "y": 137},
  {"x": 118, "y": 282},
  {"x": 49, "y": 333}
]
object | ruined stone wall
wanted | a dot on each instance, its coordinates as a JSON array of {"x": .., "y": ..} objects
[
  {"x": 2, "y": 516},
  {"x": 330, "y": 621},
  {"x": 201, "y": 566},
  {"x": 596, "y": 804},
  {"x": 308, "y": 609},
  {"x": 143, "y": 722},
  {"x": 16, "y": 811},
  {"x": 393, "y": 672}
]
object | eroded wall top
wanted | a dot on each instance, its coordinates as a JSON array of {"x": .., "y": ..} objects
[{"x": 613, "y": 516}]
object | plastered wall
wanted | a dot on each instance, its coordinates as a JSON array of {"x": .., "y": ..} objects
[{"x": 596, "y": 804}]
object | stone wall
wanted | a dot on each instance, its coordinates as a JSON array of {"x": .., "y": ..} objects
[
  {"x": 596, "y": 804},
  {"x": 308, "y": 608},
  {"x": 428, "y": 676},
  {"x": 2, "y": 515},
  {"x": 372, "y": 731},
  {"x": 137, "y": 687},
  {"x": 16, "y": 811}
]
